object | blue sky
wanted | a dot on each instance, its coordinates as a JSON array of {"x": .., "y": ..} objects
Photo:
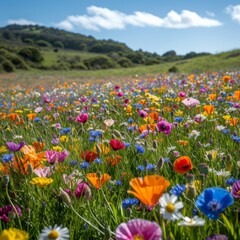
[{"x": 151, "y": 25}]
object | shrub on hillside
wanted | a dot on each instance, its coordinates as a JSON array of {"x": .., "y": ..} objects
[
  {"x": 58, "y": 44},
  {"x": 43, "y": 43},
  {"x": 152, "y": 61},
  {"x": 31, "y": 53},
  {"x": 8, "y": 66},
  {"x": 173, "y": 69},
  {"x": 100, "y": 62},
  {"x": 28, "y": 41},
  {"x": 124, "y": 62},
  {"x": 18, "y": 62}
]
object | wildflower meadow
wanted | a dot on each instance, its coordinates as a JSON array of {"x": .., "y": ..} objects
[{"x": 145, "y": 158}]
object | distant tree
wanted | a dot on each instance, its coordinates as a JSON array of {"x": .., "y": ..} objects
[
  {"x": 58, "y": 44},
  {"x": 173, "y": 69},
  {"x": 43, "y": 43},
  {"x": 28, "y": 41},
  {"x": 125, "y": 62},
  {"x": 8, "y": 66},
  {"x": 31, "y": 53}
]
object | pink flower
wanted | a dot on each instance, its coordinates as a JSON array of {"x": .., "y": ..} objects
[
  {"x": 138, "y": 229},
  {"x": 83, "y": 190},
  {"x": 83, "y": 117},
  {"x": 62, "y": 155},
  {"x": 51, "y": 156},
  {"x": 190, "y": 102},
  {"x": 164, "y": 127},
  {"x": 182, "y": 94},
  {"x": 38, "y": 109},
  {"x": 43, "y": 172},
  {"x": 120, "y": 94},
  {"x": 46, "y": 99},
  {"x": 142, "y": 114}
]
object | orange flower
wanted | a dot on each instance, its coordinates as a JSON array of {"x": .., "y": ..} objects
[
  {"x": 146, "y": 126},
  {"x": 31, "y": 116},
  {"x": 182, "y": 142},
  {"x": 167, "y": 109},
  {"x": 233, "y": 121},
  {"x": 226, "y": 78},
  {"x": 208, "y": 109},
  {"x": 98, "y": 181},
  {"x": 237, "y": 95},
  {"x": 113, "y": 160},
  {"x": 212, "y": 96},
  {"x": 182, "y": 164},
  {"x": 153, "y": 115},
  {"x": 38, "y": 146},
  {"x": 13, "y": 116},
  {"x": 149, "y": 189}
]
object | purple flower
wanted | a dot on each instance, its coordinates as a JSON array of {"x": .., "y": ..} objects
[
  {"x": 236, "y": 189},
  {"x": 8, "y": 210},
  {"x": 82, "y": 118},
  {"x": 81, "y": 190},
  {"x": 138, "y": 229},
  {"x": 217, "y": 237},
  {"x": 14, "y": 147},
  {"x": 142, "y": 114},
  {"x": 62, "y": 155},
  {"x": 164, "y": 127},
  {"x": 51, "y": 156}
]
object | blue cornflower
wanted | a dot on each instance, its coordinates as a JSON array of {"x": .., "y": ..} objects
[
  {"x": 95, "y": 133},
  {"x": 84, "y": 165},
  {"x": 7, "y": 157},
  {"x": 230, "y": 104},
  {"x": 127, "y": 144},
  {"x": 65, "y": 130},
  {"x": 235, "y": 138},
  {"x": 166, "y": 160},
  {"x": 140, "y": 149},
  {"x": 140, "y": 168},
  {"x": 178, "y": 119},
  {"x": 73, "y": 162},
  {"x": 98, "y": 160},
  {"x": 150, "y": 166},
  {"x": 128, "y": 202},
  {"x": 118, "y": 182},
  {"x": 213, "y": 201},
  {"x": 131, "y": 128},
  {"x": 130, "y": 120},
  {"x": 231, "y": 181},
  {"x": 178, "y": 190},
  {"x": 225, "y": 131},
  {"x": 37, "y": 119}
]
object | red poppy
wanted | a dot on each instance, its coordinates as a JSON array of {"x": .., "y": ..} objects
[
  {"x": 182, "y": 164},
  {"x": 88, "y": 156},
  {"x": 116, "y": 144}
]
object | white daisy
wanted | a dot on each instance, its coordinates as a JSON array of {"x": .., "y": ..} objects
[
  {"x": 54, "y": 233},
  {"x": 169, "y": 208},
  {"x": 192, "y": 222}
]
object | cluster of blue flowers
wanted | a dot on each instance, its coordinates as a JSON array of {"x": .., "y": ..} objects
[
  {"x": 94, "y": 135},
  {"x": 149, "y": 167},
  {"x": 128, "y": 202}
]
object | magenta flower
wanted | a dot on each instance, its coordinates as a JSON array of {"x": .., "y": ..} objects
[
  {"x": 62, "y": 155},
  {"x": 14, "y": 147},
  {"x": 182, "y": 94},
  {"x": 46, "y": 99},
  {"x": 236, "y": 189},
  {"x": 83, "y": 117},
  {"x": 138, "y": 229},
  {"x": 142, "y": 114},
  {"x": 7, "y": 211},
  {"x": 51, "y": 156},
  {"x": 164, "y": 127},
  {"x": 82, "y": 190}
]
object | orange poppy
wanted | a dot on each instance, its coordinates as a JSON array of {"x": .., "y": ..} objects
[
  {"x": 237, "y": 95},
  {"x": 98, "y": 181},
  {"x": 153, "y": 116},
  {"x": 182, "y": 164},
  {"x": 113, "y": 160},
  {"x": 213, "y": 96},
  {"x": 226, "y": 78},
  {"x": 167, "y": 109},
  {"x": 31, "y": 116},
  {"x": 12, "y": 116},
  {"x": 182, "y": 142},
  {"x": 145, "y": 127},
  {"x": 149, "y": 188},
  {"x": 38, "y": 146},
  {"x": 208, "y": 109},
  {"x": 233, "y": 121}
]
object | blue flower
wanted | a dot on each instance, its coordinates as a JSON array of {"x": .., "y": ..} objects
[
  {"x": 235, "y": 138},
  {"x": 178, "y": 190},
  {"x": 130, "y": 120},
  {"x": 225, "y": 131},
  {"x": 150, "y": 166},
  {"x": 98, "y": 160},
  {"x": 140, "y": 149},
  {"x": 37, "y": 119},
  {"x": 118, "y": 182},
  {"x": 231, "y": 181},
  {"x": 140, "y": 168},
  {"x": 84, "y": 165},
  {"x": 128, "y": 202},
  {"x": 7, "y": 157},
  {"x": 65, "y": 130},
  {"x": 213, "y": 201},
  {"x": 178, "y": 119},
  {"x": 127, "y": 144},
  {"x": 73, "y": 162}
]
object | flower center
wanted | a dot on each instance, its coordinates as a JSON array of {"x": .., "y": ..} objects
[
  {"x": 238, "y": 192},
  {"x": 138, "y": 237},
  {"x": 53, "y": 235},
  {"x": 185, "y": 166},
  {"x": 163, "y": 127},
  {"x": 170, "y": 207},
  {"x": 214, "y": 205}
]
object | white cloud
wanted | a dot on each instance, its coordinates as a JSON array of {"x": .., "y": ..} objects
[
  {"x": 210, "y": 14},
  {"x": 234, "y": 11},
  {"x": 103, "y": 18},
  {"x": 21, "y": 22}
]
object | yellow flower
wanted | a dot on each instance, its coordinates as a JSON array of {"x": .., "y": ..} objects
[
  {"x": 41, "y": 181},
  {"x": 19, "y": 111},
  {"x": 57, "y": 148},
  {"x": 1, "y": 167},
  {"x": 178, "y": 113},
  {"x": 3, "y": 149},
  {"x": 104, "y": 149},
  {"x": 197, "y": 184},
  {"x": 226, "y": 117},
  {"x": 128, "y": 109},
  {"x": 13, "y": 234},
  {"x": 64, "y": 139},
  {"x": 213, "y": 153}
]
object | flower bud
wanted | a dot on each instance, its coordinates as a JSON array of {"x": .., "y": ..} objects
[
  {"x": 65, "y": 197},
  {"x": 160, "y": 163}
]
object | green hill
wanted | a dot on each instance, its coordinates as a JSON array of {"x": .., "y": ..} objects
[{"x": 37, "y": 48}]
